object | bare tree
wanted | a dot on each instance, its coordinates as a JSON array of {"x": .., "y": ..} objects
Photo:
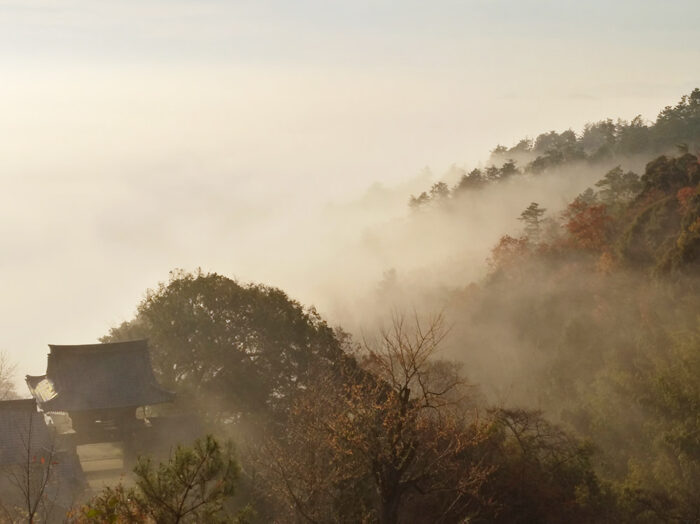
[
  {"x": 405, "y": 356},
  {"x": 7, "y": 377},
  {"x": 390, "y": 440},
  {"x": 36, "y": 472},
  {"x": 29, "y": 464}
]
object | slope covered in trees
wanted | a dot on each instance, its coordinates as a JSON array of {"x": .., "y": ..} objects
[
  {"x": 592, "y": 316},
  {"x": 598, "y": 144},
  {"x": 564, "y": 386},
  {"x": 387, "y": 432},
  {"x": 590, "y": 312}
]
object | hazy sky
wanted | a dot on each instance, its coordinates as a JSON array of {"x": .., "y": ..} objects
[{"x": 141, "y": 136}]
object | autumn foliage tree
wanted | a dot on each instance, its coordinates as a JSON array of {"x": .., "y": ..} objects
[
  {"x": 394, "y": 443},
  {"x": 588, "y": 225},
  {"x": 684, "y": 196},
  {"x": 402, "y": 442},
  {"x": 542, "y": 473},
  {"x": 508, "y": 254}
]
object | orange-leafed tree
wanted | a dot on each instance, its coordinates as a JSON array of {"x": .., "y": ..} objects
[
  {"x": 684, "y": 195},
  {"x": 588, "y": 224},
  {"x": 508, "y": 254}
]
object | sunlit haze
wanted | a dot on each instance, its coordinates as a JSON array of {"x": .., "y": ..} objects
[{"x": 245, "y": 139}]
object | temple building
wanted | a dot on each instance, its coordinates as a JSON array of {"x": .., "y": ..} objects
[{"x": 100, "y": 387}]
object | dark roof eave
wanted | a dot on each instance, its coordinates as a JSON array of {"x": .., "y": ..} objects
[{"x": 58, "y": 404}]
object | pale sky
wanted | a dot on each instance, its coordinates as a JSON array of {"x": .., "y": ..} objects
[{"x": 141, "y": 136}]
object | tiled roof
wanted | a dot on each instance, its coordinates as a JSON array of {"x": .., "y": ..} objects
[
  {"x": 22, "y": 431},
  {"x": 97, "y": 376},
  {"x": 27, "y": 443}
]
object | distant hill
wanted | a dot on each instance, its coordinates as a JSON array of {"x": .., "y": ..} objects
[{"x": 676, "y": 129}]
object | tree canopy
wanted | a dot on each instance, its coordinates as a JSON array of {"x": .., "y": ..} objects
[{"x": 243, "y": 348}]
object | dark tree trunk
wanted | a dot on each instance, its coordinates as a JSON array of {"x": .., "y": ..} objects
[{"x": 390, "y": 509}]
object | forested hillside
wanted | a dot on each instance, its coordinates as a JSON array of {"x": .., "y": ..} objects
[
  {"x": 564, "y": 386},
  {"x": 676, "y": 128},
  {"x": 592, "y": 314}
]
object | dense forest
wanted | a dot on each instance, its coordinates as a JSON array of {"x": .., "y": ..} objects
[
  {"x": 677, "y": 128},
  {"x": 564, "y": 386}
]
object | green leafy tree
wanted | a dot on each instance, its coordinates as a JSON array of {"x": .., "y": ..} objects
[
  {"x": 545, "y": 161},
  {"x": 618, "y": 187},
  {"x": 632, "y": 137},
  {"x": 473, "y": 180},
  {"x": 493, "y": 174},
  {"x": 546, "y": 142},
  {"x": 524, "y": 146},
  {"x": 598, "y": 139},
  {"x": 670, "y": 393},
  {"x": 532, "y": 218},
  {"x": 669, "y": 174},
  {"x": 417, "y": 201},
  {"x": 679, "y": 124},
  {"x": 439, "y": 190},
  {"x": 192, "y": 486},
  {"x": 245, "y": 349},
  {"x": 676, "y": 130},
  {"x": 509, "y": 169}
]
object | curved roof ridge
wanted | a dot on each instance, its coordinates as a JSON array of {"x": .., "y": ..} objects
[
  {"x": 128, "y": 345},
  {"x": 98, "y": 376}
]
